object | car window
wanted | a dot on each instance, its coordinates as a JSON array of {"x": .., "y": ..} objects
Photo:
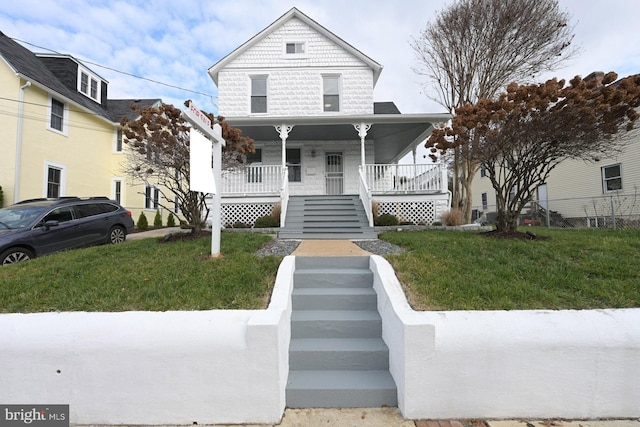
[
  {"x": 108, "y": 207},
  {"x": 88, "y": 209},
  {"x": 61, "y": 214}
]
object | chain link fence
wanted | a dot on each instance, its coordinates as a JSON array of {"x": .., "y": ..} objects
[{"x": 616, "y": 211}]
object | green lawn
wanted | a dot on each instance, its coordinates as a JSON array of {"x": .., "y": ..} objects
[
  {"x": 571, "y": 269},
  {"x": 143, "y": 275},
  {"x": 440, "y": 270}
]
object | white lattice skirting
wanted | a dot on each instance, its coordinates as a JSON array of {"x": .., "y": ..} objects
[
  {"x": 415, "y": 212},
  {"x": 244, "y": 212}
]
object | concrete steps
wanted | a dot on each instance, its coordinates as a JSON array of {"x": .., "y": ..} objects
[
  {"x": 326, "y": 217},
  {"x": 337, "y": 358}
]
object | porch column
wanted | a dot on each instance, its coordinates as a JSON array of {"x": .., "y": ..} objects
[
  {"x": 362, "y": 129},
  {"x": 283, "y": 130}
]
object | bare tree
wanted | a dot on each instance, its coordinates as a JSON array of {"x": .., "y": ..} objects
[
  {"x": 474, "y": 48},
  {"x": 525, "y": 133},
  {"x": 159, "y": 154}
]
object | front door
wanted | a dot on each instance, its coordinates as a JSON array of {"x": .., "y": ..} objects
[{"x": 334, "y": 173}]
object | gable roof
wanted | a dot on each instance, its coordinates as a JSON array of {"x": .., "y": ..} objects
[
  {"x": 291, "y": 14},
  {"x": 29, "y": 66}
]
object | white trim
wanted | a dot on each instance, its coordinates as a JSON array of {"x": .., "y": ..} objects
[
  {"x": 297, "y": 55},
  {"x": 605, "y": 180},
  {"x": 324, "y": 77},
  {"x": 63, "y": 177},
  {"x": 115, "y": 141},
  {"x": 253, "y": 77}
]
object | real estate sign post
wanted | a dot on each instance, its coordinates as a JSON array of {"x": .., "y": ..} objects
[{"x": 205, "y": 157}]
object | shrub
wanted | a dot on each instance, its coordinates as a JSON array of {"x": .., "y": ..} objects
[
  {"x": 171, "y": 220},
  {"x": 276, "y": 211},
  {"x": 1, "y": 197},
  {"x": 266, "y": 222},
  {"x": 386, "y": 219},
  {"x": 142, "y": 224},
  {"x": 157, "y": 220},
  {"x": 453, "y": 217},
  {"x": 374, "y": 210},
  {"x": 239, "y": 224}
]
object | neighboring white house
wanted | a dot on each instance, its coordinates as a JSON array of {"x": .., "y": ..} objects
[
  {"x": 306, "y": 97},
  {"x": 594, "y": 193}
]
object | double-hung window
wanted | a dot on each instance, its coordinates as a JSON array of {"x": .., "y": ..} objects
[
  {"x": 152, "y": 197},
  {"x": 259, "y": 94},
  {"x": 57, "y": 115},
  {"x": 89, "y": 85},
  {"x": 331, "y": 93},
  {"x": 612, "y": 178}
]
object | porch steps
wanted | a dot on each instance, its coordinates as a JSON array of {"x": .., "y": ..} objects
[
  {"x": 326, "y": 217},
  {"x": 337, "y": 358}
]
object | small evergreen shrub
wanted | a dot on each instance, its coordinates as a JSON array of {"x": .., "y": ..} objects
[
  {"x": 171, "y": 220},
  {"x": 1, "y": 197},
  {"x": 386, "y": 220},
  {"x": 239, "y": 224},
  {"x": 142, "y": 223},
  {"x": 266, "y": 222},
  {"x": 157, "y": 220}
]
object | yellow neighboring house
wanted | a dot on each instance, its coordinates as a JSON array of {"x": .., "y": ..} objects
[{"x": 60, "y": 132}]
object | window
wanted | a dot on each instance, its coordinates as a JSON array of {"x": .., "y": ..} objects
[
  {"x": 89, "y": 85},
  {"x": 61, "y": 214},
  {"x": 331, "y": 93},
  {"x": 117, "y": 190},
  {"x": 612, "y": 178},
  {"x": 118, "y": 147},
  {"x": 152, "y": 197},
  {"x": 485, "y": 202},
  {"x": 259, "y": 94},
  {"x": 295, "y": 48},
  {"x": 57, "y": 115},
  {"x": 54, "y": 182},
  {"x": 483, "y": 170},
  {"x": 294, "y": 164},
  {"x": 254, "y": 160}
]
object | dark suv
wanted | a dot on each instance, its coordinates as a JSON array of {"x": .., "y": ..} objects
[{"x": 42, "y": 226}]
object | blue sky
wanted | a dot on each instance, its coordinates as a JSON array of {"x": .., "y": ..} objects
[{"x": 176, "y": 45}]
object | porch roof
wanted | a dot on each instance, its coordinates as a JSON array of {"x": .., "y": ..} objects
[{"x": 394, "y": 135}]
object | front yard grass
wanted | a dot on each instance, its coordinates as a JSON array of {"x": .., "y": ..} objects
[
  {"x": 566, "y": 269},
  {"x": 440, "y": 270},
  {"x": 143, "y": 275}
]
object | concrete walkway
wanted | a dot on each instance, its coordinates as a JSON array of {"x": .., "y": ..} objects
[{"x": 380, "y": 417}]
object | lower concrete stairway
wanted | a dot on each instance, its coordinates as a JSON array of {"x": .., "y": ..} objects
[
  {"x": 326, "y": 217},
  {"x": 337, "y": 358}
]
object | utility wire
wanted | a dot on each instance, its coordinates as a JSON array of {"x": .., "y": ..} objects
[{"x": 123, "y": 72}]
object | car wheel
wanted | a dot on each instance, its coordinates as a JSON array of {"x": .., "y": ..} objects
[
  {"x": 117, "y": 235},
  {"x": 15, "y": 255}
]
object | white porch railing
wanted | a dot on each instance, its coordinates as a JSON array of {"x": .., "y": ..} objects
[
  {"x": 284, "y": 195},
  {"x": 383, "y": 179},
  {"x": 365, "y": 196},
  {"x": 252, "y": 180}
]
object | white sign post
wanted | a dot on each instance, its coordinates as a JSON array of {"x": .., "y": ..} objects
[{"x": 205, "y": 157}]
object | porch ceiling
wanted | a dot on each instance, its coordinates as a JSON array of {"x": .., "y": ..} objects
[{"x": 394, "y": 135}]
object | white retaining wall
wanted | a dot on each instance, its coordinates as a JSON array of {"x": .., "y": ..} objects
[
  {"x": 231, "y": 367},
  {"x": 205, "y": 367},
  {"x": 509, "y": 364}
]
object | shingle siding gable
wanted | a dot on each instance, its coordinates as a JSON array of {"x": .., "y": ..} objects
[{"x": 295, "y": 82}]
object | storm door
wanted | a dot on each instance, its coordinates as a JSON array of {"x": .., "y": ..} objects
[{"x": 334, "y": 173}]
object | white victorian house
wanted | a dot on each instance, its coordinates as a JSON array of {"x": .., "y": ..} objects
[{"x": 323, "y": 146}]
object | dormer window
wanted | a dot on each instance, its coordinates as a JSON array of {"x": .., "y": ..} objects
[{"x": 89, "y": 85}]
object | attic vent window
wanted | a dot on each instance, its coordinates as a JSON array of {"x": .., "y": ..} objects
[{"x": 295, "y": 48}]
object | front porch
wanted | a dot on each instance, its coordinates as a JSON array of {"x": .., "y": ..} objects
[{"x": 414, "y": 193}]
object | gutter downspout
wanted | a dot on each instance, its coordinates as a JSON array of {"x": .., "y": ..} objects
[{"x": 16, "y": 179}]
